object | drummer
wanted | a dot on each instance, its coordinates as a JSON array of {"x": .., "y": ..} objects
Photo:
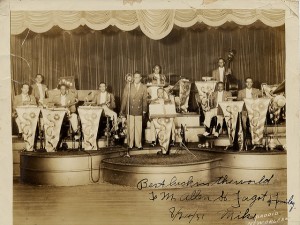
[{"x": 156, "y": 77}]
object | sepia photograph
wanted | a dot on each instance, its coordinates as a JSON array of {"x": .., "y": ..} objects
[{"x": 150, "y": 112}]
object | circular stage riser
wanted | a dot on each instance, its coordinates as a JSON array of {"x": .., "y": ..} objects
[
  {"x": 131, "y": 175},
  {"x": 69, "y": 170}
]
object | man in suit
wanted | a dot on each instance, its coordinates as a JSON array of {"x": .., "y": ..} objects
[
  {"x": 214, "y": 117},
  {"x": 107, "y": 101},
  {"x": 136, "y": 92},
  {"x": 156, "y": 77},
  {"x": 39, "y": 90},
  {"x": 68, "y": 101},
  {"x": 23, "y": 99},
  {"x": 162, "y": 101},
  {"x": 248, "y": 92},
  {"x": 221, "y": 73}
]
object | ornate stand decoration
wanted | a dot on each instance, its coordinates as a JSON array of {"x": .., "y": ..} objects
[
  {"x": 90, "y": 117},
  {"x": 257, "y": 111},
  {"x": 53, "y": 119},
  {"x": 231, "y": 111},
  {"x": 28, "y": 116}
]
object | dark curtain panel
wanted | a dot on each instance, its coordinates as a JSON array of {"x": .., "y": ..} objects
[{"x": 108, "y": 55}]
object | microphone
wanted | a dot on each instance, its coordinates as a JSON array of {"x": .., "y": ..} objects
[{"x": 129, "y": 78}]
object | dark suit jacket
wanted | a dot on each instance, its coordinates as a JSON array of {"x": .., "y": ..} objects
[
  {"x": 214, "y": 99},
  {"x": 216, "y": 74},
  {"x": 36, "y": 92},
  {"x": 70, "y": 99},
  {"x": 242, "y": 94},
  {"x": 18, "y": 101},
  {"x": 110, "y": 100},
  {"x": 137, "y": 100}
]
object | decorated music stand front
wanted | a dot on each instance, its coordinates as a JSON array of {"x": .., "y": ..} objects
[
  {"x": 52, "y": 119},
  {"x": 163, "y": 117},
  {"x": 90, "y": 117},
  {"x": 231, "y": 111},
  {"x": 257, "y": 111},
  {"x": 28, "y": 116}
]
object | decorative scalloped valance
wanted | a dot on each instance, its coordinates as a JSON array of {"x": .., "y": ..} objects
[{"x": 156, "y": 24}]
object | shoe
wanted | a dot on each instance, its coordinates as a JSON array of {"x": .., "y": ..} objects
[
  {"x": 172, "y": 143},
  {"x": 159, "y": 153},
  {"x": 216, "y": 134},
  {"x": 140, "y": 148},
  {"x": 206, "y": 134},
  {"x": 153, "y": 144}
]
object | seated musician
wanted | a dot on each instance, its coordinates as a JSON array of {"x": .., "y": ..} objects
[
  {"x": 214, "y": 116},
  {"x": 221, "y": 73},
  {"x": 20, "y": 100},
  {"x": 248, "y": 92},
  {"x": 156, "y": 77},
  {"x": 39, "y": 90},
  {"x": 68, "y": 101},
  {"x": 107, "y": 101},
  {"x": 161, "y": 99}
]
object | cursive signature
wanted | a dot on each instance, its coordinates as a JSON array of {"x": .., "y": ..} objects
[{"x": 180, "y": 214}]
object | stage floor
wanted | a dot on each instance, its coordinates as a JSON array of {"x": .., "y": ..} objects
[{"x": 106, "y": 204}]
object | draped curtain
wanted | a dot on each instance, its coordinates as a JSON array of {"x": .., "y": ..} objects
[{"x": 108, "y": 55}]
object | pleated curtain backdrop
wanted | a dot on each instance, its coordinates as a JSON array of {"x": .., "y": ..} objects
[{"x": 108, "y": 55}]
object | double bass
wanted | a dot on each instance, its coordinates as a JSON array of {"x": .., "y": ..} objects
[{"x": 230, "y": 82}]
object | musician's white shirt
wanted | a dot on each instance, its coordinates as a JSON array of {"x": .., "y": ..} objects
[
  {"x": 221, "y": 72},
  {"x": 25, "y": 98},
  {"x": 102, "y": 97},
  {"x": 40, "y": 87},
  {"x": 220, "y": 97},
  {"x": 248, "y": 93},
  {"x": 63, "y": 99},
  {"x": 137, "y": 86}
]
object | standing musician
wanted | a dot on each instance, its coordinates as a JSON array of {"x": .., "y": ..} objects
[
  {"x": 23, "y": 99},
  {"x": 214, "y": 116},
  {"x": 156, "y": 77},
  {"x": 162, "y": 101},
  {"x": 136, "y": 95},
  {"x": 248, "y": 92},
  {"x": 39, "y": 90},
  {"x": 68, "y": 101},
  {"x": 107, "y": 101},
  {"x": 221, "y": 73}
]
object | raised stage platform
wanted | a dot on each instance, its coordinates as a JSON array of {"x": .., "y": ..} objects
[{"x": 109, "y": 165}]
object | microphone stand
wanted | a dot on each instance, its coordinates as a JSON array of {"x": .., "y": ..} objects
[{"x": 128, "y": 119}]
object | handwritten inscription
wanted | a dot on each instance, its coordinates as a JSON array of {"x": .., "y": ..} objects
[
  {"x": 239, "y": 205},
  {"x": 190, "y": 182}
]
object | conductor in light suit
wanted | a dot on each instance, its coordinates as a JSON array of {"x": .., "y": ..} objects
[{"x": 136, "y": 94}]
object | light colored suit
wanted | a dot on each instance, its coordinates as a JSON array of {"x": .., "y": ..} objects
[
  {"x": 138, "y": 105},
  {"x": 256, "y": 93},
  {"x": 36, "y": 93},
  {"x": 108, "y": 106},
  {"x": 18, "y": 101},
  {"x": 70, "y": 103},
  {"x": 216, "y": 74}
]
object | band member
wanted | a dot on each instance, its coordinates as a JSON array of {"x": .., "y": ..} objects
[
  {"x": 214, "y": 116},
  {"x": 221, "y": 73},
  {"x": 39, "y": 90},
  {"x": 107, "y": 101},
  {"x": 162, "y": 101},
  {"x": 23, "y": 99},
  {"x": 68, "y": 101},
  {"x": 134, "y": 103},
  {"x": 248, "y": 92},
  {"x": 156, "y": 77}
]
